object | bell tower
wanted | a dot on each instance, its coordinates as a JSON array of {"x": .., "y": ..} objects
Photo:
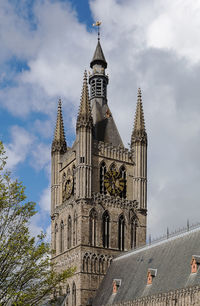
[{"x": 98, "y": 188}]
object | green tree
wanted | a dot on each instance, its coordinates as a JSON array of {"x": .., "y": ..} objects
[{"x": 27, "y": 275}]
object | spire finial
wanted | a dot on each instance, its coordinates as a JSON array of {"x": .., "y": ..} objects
[
  {"x": 85, "y": 114},
  {"x": 139, "y": 132},
  {"x": 59, "y": 142},
  {"x": 97, "y": 24}
]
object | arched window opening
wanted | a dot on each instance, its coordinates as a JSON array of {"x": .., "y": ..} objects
[
  {"x": 75, "y": 230},
  {"x": 74, "y": 295},
  {"x": 133, "y": 232},
  {"x": 69, "y": 230},
  {"x": 102, "y": 176},
  {"x": 99, "y": 87},
  {"x": 92, "y": 227},
  {"x": 94, "y": 264},
  {"x": 67, "y": 295},
  {"x": 123, "y": 175},
  {"x": 61, "y": 236},
  {"x": 121, "y": 232},
  {"x": 74, "y": 179},
  {"x": 86, "y": 260},
  {"x": 101, "y": 265},
  {"x": 106, "y": 229},
  {"x": 55, "y": 236}
]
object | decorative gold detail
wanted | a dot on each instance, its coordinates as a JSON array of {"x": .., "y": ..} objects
[
  {"x": 67, "y": 187},
  {"x": 113, "y": 182}
]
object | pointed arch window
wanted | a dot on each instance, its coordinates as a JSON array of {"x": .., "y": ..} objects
[
  {"x": 61, "y": 236},
  {"x": 67, "y": 295},
  {"x": 55, "y": 236},
  {"x": 123, "y": 175},
  {"x": 74, "y": 179},
  {"x": 121, "y": 233},
  {"x": 106, "y": 229},
  {"x": 102, "y": 176},
  {"x": 69, "y": 232},
  {"x": 75, "y": 229},
  {"x": 92, "y": 227},
  {"x": 74, "y": 295},
  {"x": 133, "y": 232}
]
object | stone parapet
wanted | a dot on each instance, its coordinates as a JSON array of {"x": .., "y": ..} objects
[{"x": 109, "y": 151}]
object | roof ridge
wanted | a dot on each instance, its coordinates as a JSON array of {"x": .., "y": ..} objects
[{"x": 162, "y": 240}]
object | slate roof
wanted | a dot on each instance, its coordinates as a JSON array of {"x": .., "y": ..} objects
[
  {"x": 171, "y": 258},
  {"x": 98, "y": 57}
]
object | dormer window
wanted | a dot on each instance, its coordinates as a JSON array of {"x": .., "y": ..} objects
[
  {"x": 116, "y": 285},
  {"x": 195, "y": 262},
  {"x": 150, "y": 275}
]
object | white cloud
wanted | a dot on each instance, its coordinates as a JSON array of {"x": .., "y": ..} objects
[
  {"x": 19, "y": 148},
  {"x": 45, "y": 200}
]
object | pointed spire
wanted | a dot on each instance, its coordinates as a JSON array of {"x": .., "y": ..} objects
[
  {"x": 139, "y": 132},
  {"x": 59, "y": 142},
  {"x": 85, "y": 115},
  {"x": 98, "y": 57}
]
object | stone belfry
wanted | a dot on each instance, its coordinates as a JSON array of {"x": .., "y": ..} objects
[{"x": 98, "y": 188}]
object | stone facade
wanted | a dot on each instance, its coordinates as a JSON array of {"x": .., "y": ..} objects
[{"x": 98, "y": 189}]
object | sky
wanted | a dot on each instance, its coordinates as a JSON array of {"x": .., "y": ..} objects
[{"x": 45, "y": 45}]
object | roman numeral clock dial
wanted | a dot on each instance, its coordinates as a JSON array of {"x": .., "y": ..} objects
[{"x": 113, "y": 182}]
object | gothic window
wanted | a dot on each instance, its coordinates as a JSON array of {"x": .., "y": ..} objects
[
  {"x": 94, "y": 264},
  {"x": 55, "y": 236},
  {"x": 75, "y": 230},
  {"x": 86, "y": 260},
  {"x": 121, "y": 230},
  {"x": 98, "y": 87},
  {"x": 92, "y": 227},
  {"x": 69, "y": 232},
  {"x": 67, "y": 295},
  {"x": 102, "y": 175},
  {"x": 74, "y": 295},
  {"x": 133, "y": 232},
  {"x": 123, "y": 175},
  {"x": 101, "y": 264},
  {"x": 74, "y": 179},
  {"x": 106, "y": 221},
  {"x": 61, "y": 236}
]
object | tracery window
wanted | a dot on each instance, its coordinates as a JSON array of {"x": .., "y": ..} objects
[
  {"x": 74, "y": 295},
  {"x": 69, "y": 232},
  {"x": 105, "y": 229},
  {"x": 61, "y": 236},
  {"x": 92, "y": 227},
  {"x": 133, "y": 232},
  {"x": 123, "y": 175},
  {"x": 102, "y": 176},
  {"x": 121, "y": 232},
  {"x": 75, "y": 229}
]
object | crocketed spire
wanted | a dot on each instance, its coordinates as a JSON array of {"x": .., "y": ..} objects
[
  {"x": 139, "y": 132},
  {"x": 98, "y": 57},
  {"x": 59, "y": 142},
  {"x": 85, "y": 115}
]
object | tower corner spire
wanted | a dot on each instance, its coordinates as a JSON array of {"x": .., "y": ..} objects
[
  {"x": 85, "y": 115},
  {"x": 139, "y": 132},
  {"x": 59, "y": 142}
]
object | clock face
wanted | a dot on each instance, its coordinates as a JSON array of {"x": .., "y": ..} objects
[
  {"x": 113, "y": 182},
  {"x": 67, "y": 187}
]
